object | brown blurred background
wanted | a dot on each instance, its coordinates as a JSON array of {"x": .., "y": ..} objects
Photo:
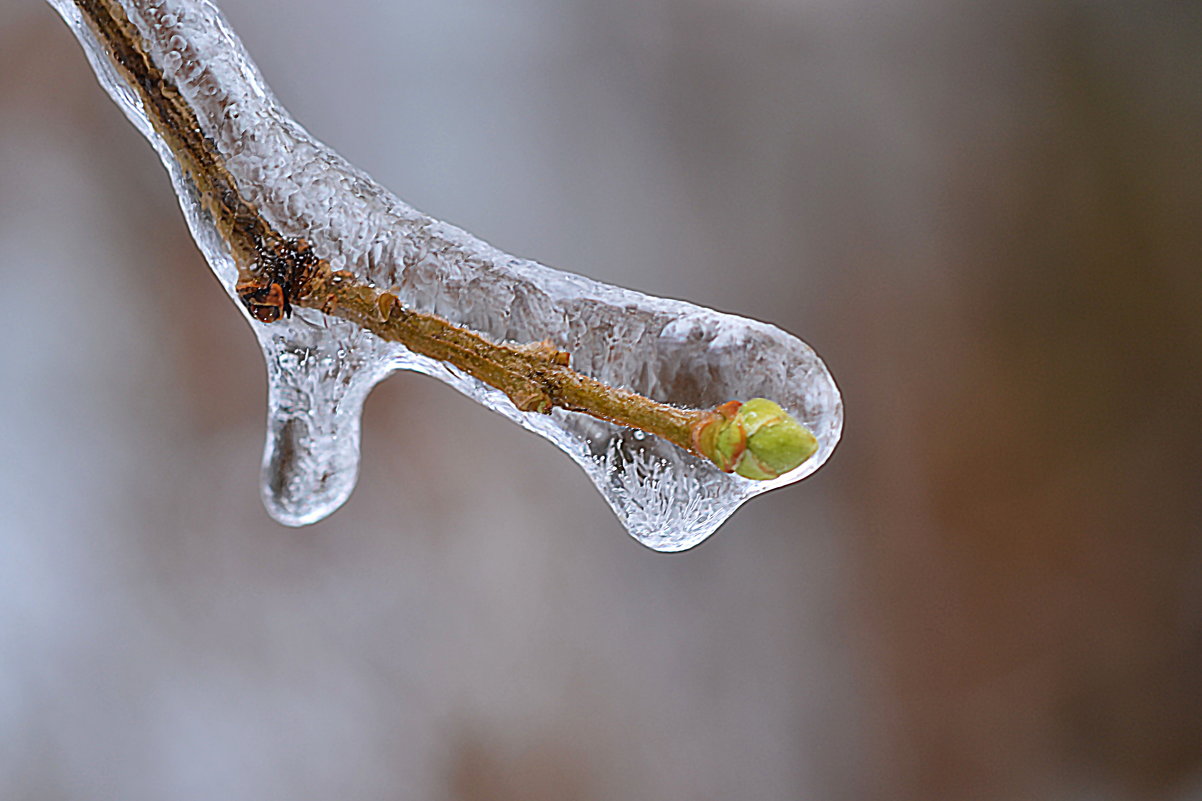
[{"x": 986, "y": 216}]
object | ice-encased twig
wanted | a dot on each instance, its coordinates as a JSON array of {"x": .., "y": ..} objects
[{"x": 321, "y": 368}]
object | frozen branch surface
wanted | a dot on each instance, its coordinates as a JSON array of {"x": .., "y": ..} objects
[{"x": 269, "y": 205}]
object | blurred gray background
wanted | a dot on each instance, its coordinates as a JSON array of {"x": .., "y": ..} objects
[{"x": 986, "y": 216}]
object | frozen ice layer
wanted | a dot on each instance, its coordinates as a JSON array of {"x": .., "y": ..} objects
[{"x": 321, "y": 368}]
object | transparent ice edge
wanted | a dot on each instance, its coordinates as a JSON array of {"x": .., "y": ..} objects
[{"x": 321, "y": 369}]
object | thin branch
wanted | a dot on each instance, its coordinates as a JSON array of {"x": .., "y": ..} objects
[{"x": 757, "y": 439}]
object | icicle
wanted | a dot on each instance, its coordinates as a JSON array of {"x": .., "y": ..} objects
[{"x": 321, "y": 368}]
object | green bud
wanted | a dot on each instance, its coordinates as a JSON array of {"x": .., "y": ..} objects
[
  {"x": 776, "y": 443},
  {"x": 757, "y": 439}
]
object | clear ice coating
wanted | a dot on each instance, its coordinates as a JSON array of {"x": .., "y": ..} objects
[{"x": 321, "y": 368}]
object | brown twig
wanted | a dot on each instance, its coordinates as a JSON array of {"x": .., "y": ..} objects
[{"x": 276, "y": 272}]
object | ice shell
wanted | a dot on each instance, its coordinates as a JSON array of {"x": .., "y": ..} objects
[{"x": 321, "y": 369}]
